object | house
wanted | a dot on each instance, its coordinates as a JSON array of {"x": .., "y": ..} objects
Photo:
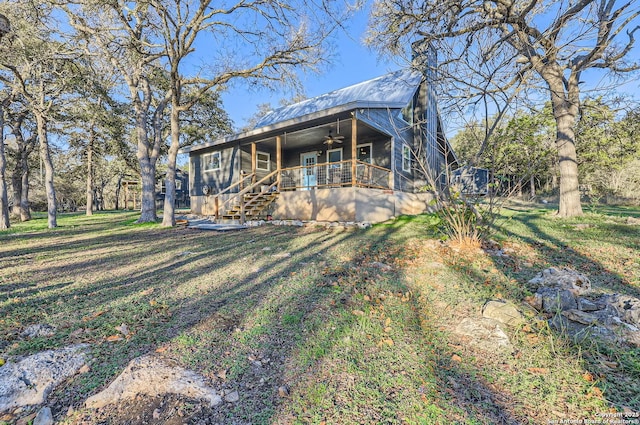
[
  {"x": 182, "y": 190},
  {"x": 349, "y": 155},
  {"x": 472, "y": 181}
]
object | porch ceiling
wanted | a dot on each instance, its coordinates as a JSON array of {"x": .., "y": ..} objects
[{"x": 314, "y": 136}]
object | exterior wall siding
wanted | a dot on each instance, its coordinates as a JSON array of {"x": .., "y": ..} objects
[
  {"x": 389, "y": 120},
  {"x": 217, "y": 180}
]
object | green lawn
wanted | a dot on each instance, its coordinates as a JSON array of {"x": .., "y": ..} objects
[{"x": 311, "y": 309}]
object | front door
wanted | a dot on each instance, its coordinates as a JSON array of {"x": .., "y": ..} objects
[{"x": 309, "y": 170}]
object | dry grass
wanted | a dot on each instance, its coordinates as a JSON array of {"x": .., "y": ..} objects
[{"x": 311, "y": 309}]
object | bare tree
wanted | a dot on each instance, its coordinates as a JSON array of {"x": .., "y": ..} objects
[
  {"x": 4, "y": 198},
  {"x": 22, "y": 128},
  {"x": 276, "y": 47},
  {"x": 555, "y": 41},
  {"x": 120, "y": 34},
  {"x": 257, "y": 40}
]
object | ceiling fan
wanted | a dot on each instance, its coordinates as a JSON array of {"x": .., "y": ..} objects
[{"x": 328, "y": 140}]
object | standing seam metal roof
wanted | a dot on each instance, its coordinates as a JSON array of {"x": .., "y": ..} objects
[{"x": 391, "y": 90}]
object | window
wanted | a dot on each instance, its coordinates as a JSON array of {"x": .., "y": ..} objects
[
  {"x": 162, "y": 186},
  {"x": 211, "y": 161},
  {"x": 263, "y": 161},
  {"x": 406, "y": 158},
  {"x": 364, "y": 153}
]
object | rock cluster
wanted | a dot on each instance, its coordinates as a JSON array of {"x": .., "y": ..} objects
[
  {"x": 580, "y": 312},
  {"x": 299, "y": 223},
  {"x": 488, "y": 332}
]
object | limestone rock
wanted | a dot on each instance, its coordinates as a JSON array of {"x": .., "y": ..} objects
[
  {"x": 627, "y": 307},
  {"x": 151, "y": 376},
  {"x": 555, "y": 300},
  {"x": 503, "y": 312},
  {"x": 44, "y": 417},
  {"x": 381, "y": 266},
  {"x": 29, "y": 381},
  {"x": 232, "y": 397},
  {"x": 587, "y": 305},
  {"x": 579, "y": 331},
  {"x": 581, "y": 317},
  {"x": 39, "y": 330},
  {"x": 484, "y": 333},
  {"x": 566, "y": 279}
]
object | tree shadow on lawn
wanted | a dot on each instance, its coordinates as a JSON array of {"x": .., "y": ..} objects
[
  {"x": 552, "y": 251},
  {"x": 561, "y": 253},
  {"x": 299, "y": 322},
  {"x": 290, "y": 313}
]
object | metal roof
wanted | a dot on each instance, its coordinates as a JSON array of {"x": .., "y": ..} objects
[{"x": 393, "y": 90}]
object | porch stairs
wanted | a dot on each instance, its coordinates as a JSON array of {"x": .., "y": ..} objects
[{"x": 254, "y": 204}]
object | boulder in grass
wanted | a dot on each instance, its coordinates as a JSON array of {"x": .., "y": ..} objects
[
  {"x": 151, "y": 376},
  {"x": 29, "y": 381}
]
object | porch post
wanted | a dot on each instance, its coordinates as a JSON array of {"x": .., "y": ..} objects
[
  {"x": 254, "y": 150},
  {"x": 354, "y": 142},
  {"x": 278, "y": 160}
]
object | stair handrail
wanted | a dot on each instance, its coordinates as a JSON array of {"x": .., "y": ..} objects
[
  {"x": 216, "y": 198},
  {"x": 239, "y": 196}
]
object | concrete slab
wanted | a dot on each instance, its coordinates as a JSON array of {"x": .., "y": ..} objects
[{"x": 217, "y": 227}]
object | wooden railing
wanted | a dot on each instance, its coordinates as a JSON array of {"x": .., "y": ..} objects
[
  {"x": 238, "y": 197},
  {"x": 217, "y": 207},
  {"x": 335, "y": 174}
]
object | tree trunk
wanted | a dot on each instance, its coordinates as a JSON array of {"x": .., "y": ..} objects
[
  {"x": 45, "y": 155},
  {"x": 569, "y": 202},
  {"x": 532, "y": 185},
  {"x": 4, "y": 198},
  {"x": 148, "y": 197},
  {"x": 565, "y": 102},
  {"x": 90, "y": 173},
  {"x": 25, "y": 209},
  {"x": 16, "y": 184},
  {"x": 147, "y": 157},
  {"x": 169, "y": 217},
  {"x": 20, "y": 177},
  {"x": 118, "y": 187}
]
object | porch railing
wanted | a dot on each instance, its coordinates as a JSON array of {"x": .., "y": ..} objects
[{"x": 335, "y": 174}]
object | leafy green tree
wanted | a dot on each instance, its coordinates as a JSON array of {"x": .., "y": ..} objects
[
  {"x": 39, "y": 67},
  {"x": 608, "y": 147}
]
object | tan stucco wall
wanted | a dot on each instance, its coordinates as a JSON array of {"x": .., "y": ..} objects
[
  {"x": 337, "y": 204},
  {"x": 413, "y": 203},
  {"x": 204, "y": 205}
]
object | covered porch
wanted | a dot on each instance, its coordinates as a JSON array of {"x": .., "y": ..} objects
[
  {"x": 340, "y": 151},
  {"x": 328, "y": 168}
]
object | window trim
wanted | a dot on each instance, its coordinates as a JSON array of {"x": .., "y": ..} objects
[
  {"x": 406, "y": 158},
  {"x": 268, "y": 161},
  {"x": 205, "y": 162}
]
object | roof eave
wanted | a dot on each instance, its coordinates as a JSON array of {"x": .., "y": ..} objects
[{"x": 280, "y": 126}]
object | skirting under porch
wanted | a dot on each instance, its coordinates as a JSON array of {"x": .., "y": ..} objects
[{"x": 335, "y": 204}]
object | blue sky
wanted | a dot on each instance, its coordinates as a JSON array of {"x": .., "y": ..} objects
[{"x": 353, "y": 64}]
